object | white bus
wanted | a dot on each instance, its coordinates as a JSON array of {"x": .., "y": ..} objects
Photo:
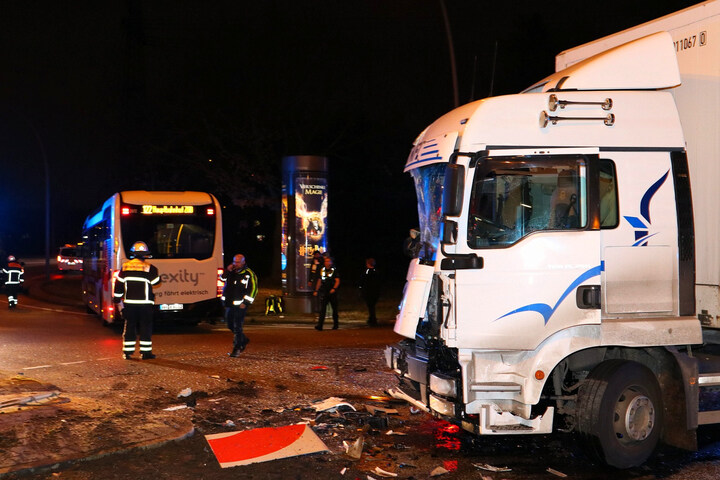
[{"x": 184, "y": 233}]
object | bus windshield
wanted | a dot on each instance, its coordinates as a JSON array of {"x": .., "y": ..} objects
[{"x": 171, "y": 235}]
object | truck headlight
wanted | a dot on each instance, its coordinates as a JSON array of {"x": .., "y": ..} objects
[{"x": 443, "y": 385}]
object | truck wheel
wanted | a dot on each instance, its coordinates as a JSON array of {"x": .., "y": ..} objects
[{"x": 619, "y": 413}]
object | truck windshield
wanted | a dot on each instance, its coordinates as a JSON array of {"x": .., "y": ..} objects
[
  {"x": 429, "y": 188},
  {"x": 513, "y": 197}
]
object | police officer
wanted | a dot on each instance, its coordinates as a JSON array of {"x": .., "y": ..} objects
[
  {"x": 134, "y": 287},
  {"x": 326, "y": 287},
  {"x": 370, "y": 289},
  {"x": 13, "y": 276},
  {"x": 239, "y": 292}
]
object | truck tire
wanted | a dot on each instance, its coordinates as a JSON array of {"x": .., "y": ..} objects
[{"x": 620, "y": 413}]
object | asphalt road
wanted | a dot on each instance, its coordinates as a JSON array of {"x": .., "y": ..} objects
[{"x": 287, "y": 366}]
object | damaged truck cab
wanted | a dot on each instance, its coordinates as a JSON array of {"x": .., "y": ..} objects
[{"x": 556, "y": 285}]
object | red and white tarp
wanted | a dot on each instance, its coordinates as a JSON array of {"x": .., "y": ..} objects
[{"x": 264, "y": 444}]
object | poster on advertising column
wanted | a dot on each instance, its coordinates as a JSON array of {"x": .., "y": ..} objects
[{"x": 311, "y": 206}]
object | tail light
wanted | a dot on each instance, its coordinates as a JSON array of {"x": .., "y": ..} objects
[{"x": 220, "y": 283}]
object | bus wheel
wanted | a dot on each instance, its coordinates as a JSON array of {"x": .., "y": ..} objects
[{"x": 619, "y": 413}]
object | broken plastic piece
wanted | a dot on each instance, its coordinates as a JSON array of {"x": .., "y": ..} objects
[
  {"x": 354, "y": 450},
  {"x": 176, "y": 407},
  {"x": 490, "y": 468},
  {"x": 384, "y": 473},
  {"x": 264, "y": 444},
  {"x": 185, "y": 392},
  {"x": 555, "y": 472},
  {"x": 438, "y": 471},
  {"x": 373, "y": 410},
  {"x": 319, "y": 367},
  {"x": 390, "y": 432},
  {"x": 331, "y": 404}
]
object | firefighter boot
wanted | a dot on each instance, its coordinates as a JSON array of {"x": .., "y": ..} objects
[{"x": 148, "y": 355}]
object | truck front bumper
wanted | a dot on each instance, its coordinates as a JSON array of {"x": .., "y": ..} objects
[{"x": 416, "y": 388}]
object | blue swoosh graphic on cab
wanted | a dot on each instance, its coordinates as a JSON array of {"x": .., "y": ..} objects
[{"x": 546, "y": 310}]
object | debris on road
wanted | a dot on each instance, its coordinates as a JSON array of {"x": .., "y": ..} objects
[
  {"x": 438, "y": 471},
  {"x": 556, "y": 473},
  {"x": 176, "y": 407},
  {"x": 332, "y": 404},
  {"x": 374, "y": 409},
  {"x": 354, "y": 450},
  {"x": 185, "y": 392},
  {"x": 264, "y": 444},
  {"x": 29, "y": 401},
  {"x": 319, "y": 368},
  {"x": 490, "y": 468},
  {"x": 384, "y": 473},
  {"x": 390, "y": 432}
]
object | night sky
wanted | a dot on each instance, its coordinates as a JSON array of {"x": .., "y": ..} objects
[{"x": 133, "y": 94}]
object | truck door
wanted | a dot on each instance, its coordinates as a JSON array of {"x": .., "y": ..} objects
[
  {"x": 639, "y": 235},
  {"x": 529, "y": 217}
]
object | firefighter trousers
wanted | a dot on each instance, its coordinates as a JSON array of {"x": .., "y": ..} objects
[{"x": 138, "y": 320}]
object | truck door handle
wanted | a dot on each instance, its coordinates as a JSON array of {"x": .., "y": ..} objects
[{"x": 588, "y": 297}]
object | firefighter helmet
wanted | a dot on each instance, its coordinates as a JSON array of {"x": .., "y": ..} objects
[
  {"x": 11, "y": 258},
  {"x": 139, "y": 250}
]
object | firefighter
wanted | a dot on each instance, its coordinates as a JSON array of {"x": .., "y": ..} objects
[
  {"x": 13, "y": 276},
  {"x": 240, "y": 289},
  {"x": 134, "y": 288}
]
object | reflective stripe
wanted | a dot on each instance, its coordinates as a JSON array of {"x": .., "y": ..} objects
[
  {"x": 237, "y": 302},
  {"x": 249, "y": 299},
  {"x": 138, "y": 302}
]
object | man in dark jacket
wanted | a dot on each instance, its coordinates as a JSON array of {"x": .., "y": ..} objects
[
  {"x": 134, "y": 288},
  {"x": 370, "y": 289},
  {"x": 326, "y": 287},
  {"x": 240, "y": 290}
]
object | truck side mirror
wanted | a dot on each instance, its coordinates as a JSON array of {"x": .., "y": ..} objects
[{"x": 453, "y": 189}]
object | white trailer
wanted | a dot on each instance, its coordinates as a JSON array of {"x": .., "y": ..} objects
[{"x": 564, "y": 278}]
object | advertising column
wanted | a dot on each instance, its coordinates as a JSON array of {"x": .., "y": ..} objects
[{"x": 304, "y": 225}]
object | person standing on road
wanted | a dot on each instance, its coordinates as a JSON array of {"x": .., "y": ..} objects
[
  {"x": 326, "y": 287},
  {"x": 134, "y": 288},
  {"x": 239, "y": 292},
  {"x": 314, "y": 274},
  {"x": 13, "y": 278},
  {"x": 370, "y": 289}
]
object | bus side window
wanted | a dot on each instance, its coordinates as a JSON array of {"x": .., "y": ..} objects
[{"x": 608, "y": 195}]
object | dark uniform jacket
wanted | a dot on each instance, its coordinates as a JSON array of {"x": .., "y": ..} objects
[
  {"x": 135, "y": 282},
  {"x": 327, "y": 279},
  {"x": 240, "y": 287},
  {"x": 13, "y": 274}
]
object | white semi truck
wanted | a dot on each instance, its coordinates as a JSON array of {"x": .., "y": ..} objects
[{"x": 570, "y": 273}]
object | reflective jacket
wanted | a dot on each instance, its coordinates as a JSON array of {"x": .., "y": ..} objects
[
  {"x": 13, "y": 274},
  {"x": 240, "y": 287},
  {"x": 135, "y": 282}
]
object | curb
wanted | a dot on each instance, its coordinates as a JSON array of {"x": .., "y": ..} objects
[{"x": 39, "y": 467}]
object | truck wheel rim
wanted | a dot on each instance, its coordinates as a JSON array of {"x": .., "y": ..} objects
[{"x": 634, "y": 417}]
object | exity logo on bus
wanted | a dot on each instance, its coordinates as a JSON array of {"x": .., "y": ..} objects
[{"x": 182, "y": 276}]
